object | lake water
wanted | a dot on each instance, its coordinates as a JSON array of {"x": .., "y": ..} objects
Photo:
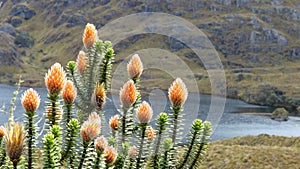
[{"x": 231, "y": 124}]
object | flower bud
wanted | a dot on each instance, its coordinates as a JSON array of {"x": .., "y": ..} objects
[
  {"x": 81, "y": 62},
  {"x": 55, "y": 79},
  {"x": 151, "y": 134},
  {"x": 69, "y": 92},
  {"x": 114, "y": 122},
  {"x": 128, "y": 94},
  {"x": 132, "y": 152},
  {"x": 99, "y": 96},
  {"x": 135, "y": 67},
  {"x": 91, "y": 128},
  {"x": 101, "y": 143},
  {"x": 144, "y": 113},
  {"x": 58, "y": 112},
  {"x": 110, "y": 155},
  {"x": 30, "y": 100},
  {"x": 90, "y": 36},
  {"x": 14, "y": 140},
  {"x": 2, "y": 131},
  {"x": 178, "y": 93}
]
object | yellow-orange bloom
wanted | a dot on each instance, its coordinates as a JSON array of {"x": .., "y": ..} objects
[
  {"x": 90, "y": 36},
  {"x": 110, "y": 155},
  {"x": 58, "y": 112},
  {"x": 69, "y": 92},
  {"x": 99, "y": 96},
  {"x": 81, "y": 62},
  {"x": 55, "y": 79},
  {"x": 135, "y": 67},
  {"x": 144, "y": 112},
  {"x": 128, "y": 94},
  {"x": 30, "y": 100},
  {"x": 151, "y": 134},
  {"x": 2, "y": 131},
  {"x": 178, "y": 93},
  {"x": 91, "y": 128},
  {"x": 114, "y": 122},
  {"x": 101, "y": 143},
  {"x": 132, "y": 152},
  {"x": 14, "y": 141}
]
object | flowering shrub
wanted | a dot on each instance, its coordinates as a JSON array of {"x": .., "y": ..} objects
[{"x": 73, "y": 135}]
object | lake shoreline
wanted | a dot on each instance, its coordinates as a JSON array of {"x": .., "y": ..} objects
[{"x": 237, "y": 119}]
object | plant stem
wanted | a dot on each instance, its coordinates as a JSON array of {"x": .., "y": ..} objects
[
  {"x": 30, "y": 137},
  {"x": 104, "y": 72},
  {"x": 143, "y": 126},
  {"x": 189, "y": 149},
  {"x": 3, "y": 152},
  {"x": 165, "y": 160},
  {"x": 85, "y": 146},
  {"x": 53, "y": 113},
  {"x": 157, "y": 148},
  {"x": 124, "y": 126},
  {"x": 131, "y": 163},
  {"x": 15, "y": 165},
  {"x": 175, "y": 123},
  {"x": 53, "y": 98},
  {"x": 68, "y": 113},
  {"x": 197, "y": 155},
  {"x": 98, "y": 159}
]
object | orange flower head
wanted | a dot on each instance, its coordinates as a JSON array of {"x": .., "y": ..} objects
[
  {"x": 69, "y": 92},
  {"x": 2, "y": 129},
  {"x": 110, "y": 155},
  {"x": 132, "y": 152},
  {"x": 135, "y": 67},
  {"x": 151, "y": 134},
  {"x": 14, "y": 140},
  {"x": 114, "y": 122},
  {"x": 94, "y": 117},
  {"x": 58, "y": 112},
  {"x": 178, "y": 93},
  {"x": 30, "y": 100},
  {"x": 99, "y": 96},
  {"x": 91, "y": 128},
  {"x": 90, "y": 36},
  {"x": 55, "y": 79},
  {"x": 81, "y": 62},
  {"x": 144, "y": 113},
  {"x": 128, "y": 94},
  {"x": 101, "y": 143}
]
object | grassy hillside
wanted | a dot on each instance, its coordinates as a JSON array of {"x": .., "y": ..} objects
[
  {"x": 263, "y": 151},
  {"x": 258, "y": 42}
]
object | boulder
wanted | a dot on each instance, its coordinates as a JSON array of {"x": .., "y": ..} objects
[
  {"x": 280, "y": 114},
  {"x": 8, "y": 28},
  {"x": 294, "y": 53},
  {"x": 23, "y": 39},
  {"x": 76, "y": 20},
  {"x": 9, "y": 54},
  {"x": 15, "y": 21},
  {"x": 23, "y": 11}
]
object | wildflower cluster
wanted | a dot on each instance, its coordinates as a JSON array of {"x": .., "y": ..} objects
[{"x": 73, "y": 136}]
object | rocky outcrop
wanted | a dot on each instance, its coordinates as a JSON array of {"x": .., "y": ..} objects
[
  {"x": 22, "y": 11},
  {"x": 8, "y": 28},
  {"x": 76, "y": 20},
  {"x": 280, "y": 114},
  {"x": 9, "y": 54},
  {"x": 24, "y": 40},
  {"x": 15, "y": 21}
]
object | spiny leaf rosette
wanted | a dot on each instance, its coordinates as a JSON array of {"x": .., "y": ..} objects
[{"x": 71, "y": 140}]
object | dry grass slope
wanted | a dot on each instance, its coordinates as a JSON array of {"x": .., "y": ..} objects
[{"x": 255, "y": 152}]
